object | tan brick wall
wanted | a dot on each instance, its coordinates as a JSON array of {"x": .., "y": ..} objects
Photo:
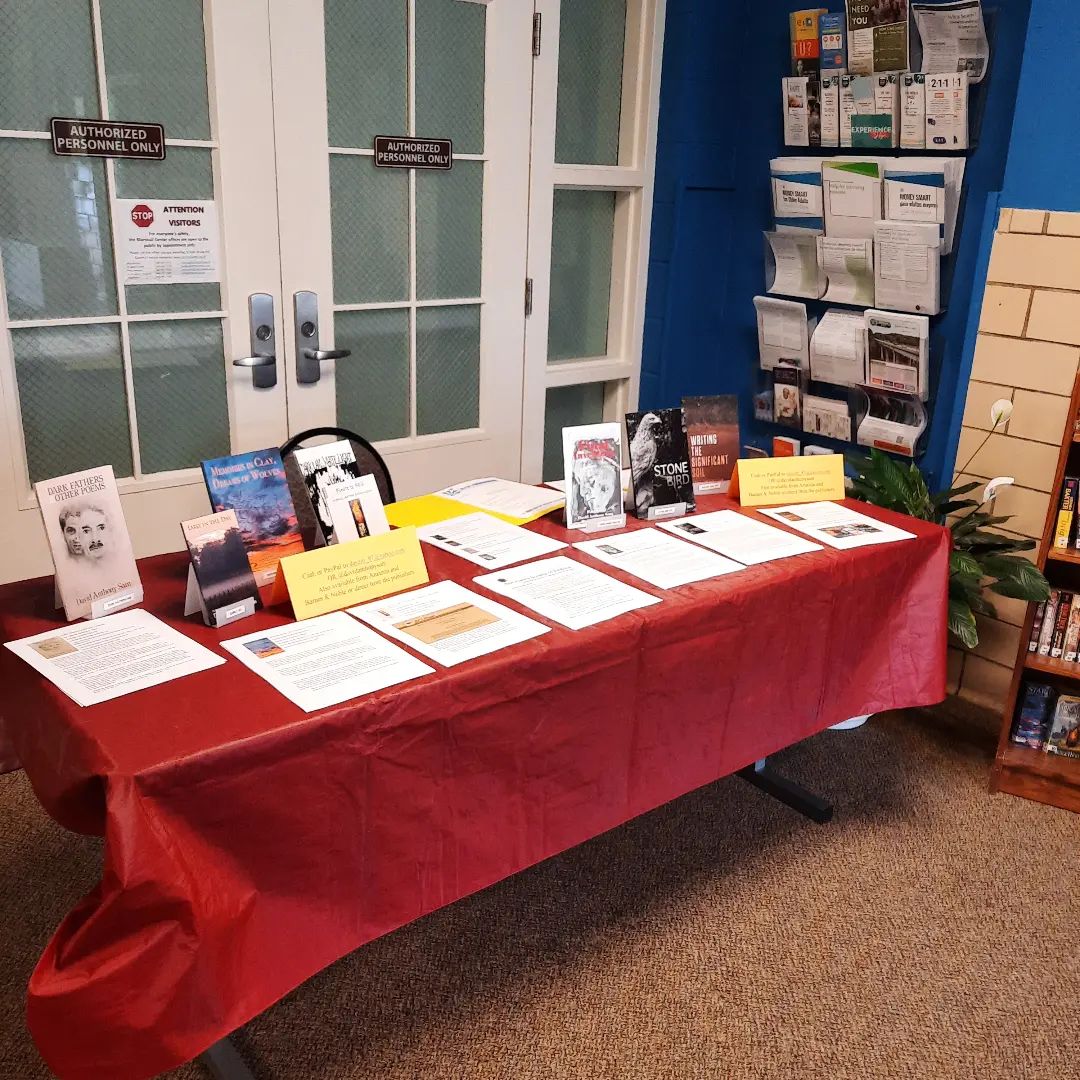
[{"x": 1028, "y": 351}]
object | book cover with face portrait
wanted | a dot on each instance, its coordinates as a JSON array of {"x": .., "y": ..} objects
[
  {"x": 89, "y": 539},
  {"x": 659, "y": 461},
  {"x": 592, "y": 463}
]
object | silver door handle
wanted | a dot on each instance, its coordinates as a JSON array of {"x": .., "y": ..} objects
[
  {"x": 263, "y": 358},
  {"x": 327, "y": 354}
]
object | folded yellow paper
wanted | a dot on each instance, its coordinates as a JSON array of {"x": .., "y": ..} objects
[
  {"x": 428, "y": 509},
  {"x": 774, "y": 481}
]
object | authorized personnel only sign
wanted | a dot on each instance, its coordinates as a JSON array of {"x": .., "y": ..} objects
[
  {"x": 167, "y": 241},
  {"x": 107, "y": 138},
  {"x": 406, "y": 152}
]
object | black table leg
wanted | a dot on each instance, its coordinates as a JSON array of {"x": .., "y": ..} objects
[
  {"x": 223, "y": 1062},
  {"x": 763, "y": 776}
]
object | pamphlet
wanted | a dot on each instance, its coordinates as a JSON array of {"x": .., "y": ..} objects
[
  {"x": 449, "y": 624},
  {"x": 947, "y": 112},
  {"x": 912, "y": 111},
  {"x": 255, "y": 486},
  {"x": 88, "y": 537},
  {"x": 787, "y": 395},
  {"x": 220, "y": 563},
  {"x": 659, "y": 463},
  {"x": 802, "y": 111},
  {"x": 953, "y": 37},
  {"x": 657, "y": 558},
  {"x": 838, "y": 348},
  {"x": 852, "y": 198},
  {"x": 487, "y": 541},
  {"x": 517, "y": 503},
  {"x": 796, "y": 194},
  {"x": 592, "y": 467},
  {"x": 356, "y": 508},
  {"x": 833, "y": 33},
  {"x": 893, "y": 422},
  {"x": 321, "y": 467},
  {"x": 897, "y": 351},
  {"x": 836, "y": 525},
  {"x": 830, "y": 110},
  {"x": 113, "y": 656},
  {"x": 783, "y": 332},
  {"x": 566, "y": 591},
  {"x": 849, "y": 267},
  {"x": 908, "y": 272},
  {"x": 325, "y": 661},
  {"x": 877, "y": 36},
  {"x": 712, "y": 432},
  {"x": 792, "y": 264},
  {"x": 806, "y": 40},
  {"x": 828, "y": 417},
  {"x": 923, "y": 191},
  {"x": 740, "y": 537}
]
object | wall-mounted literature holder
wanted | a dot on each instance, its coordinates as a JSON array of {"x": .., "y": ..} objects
[
  {"x": 106, "y": 605},
  {"x": 215, "y": 617},
  {"x": 889, "y": 420},
  {"x": 791, "y": 264}
]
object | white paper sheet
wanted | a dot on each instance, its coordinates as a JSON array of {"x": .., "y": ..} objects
[
  {"x": 448, "y": 623},
  {"x": 354, "y": 504},
  {"x": 953, "y": 37},
  {"x": 113, "y": 656},
  {"x": 794, "y": 257},
  {"x": 504, "y": 497},
  {"x": 836, "y": 525},
  {"x": 326, "y": 660},
  {"x": 566, "y": 591},
  {"x": 849, "y": 267},
  {"x": 487, "y": 541},
  {"x": 659, "y": 559},
  {"x": 908, "y": 272},
  {"x": 838, "y": 348},
  {"x": 740, "y": 537},
  {"x": 783, "y": 332}
]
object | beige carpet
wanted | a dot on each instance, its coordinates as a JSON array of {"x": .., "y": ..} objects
[{"x": 930, "y": 931}]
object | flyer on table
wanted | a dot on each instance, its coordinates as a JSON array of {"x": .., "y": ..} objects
[
  {"x": 657, "y": 558},
  {"x": 740, "y": 537},
  {"x": 836, "y": 525},
  {"x": 448, "y": 623},
  {"x": 487, "y": 541}
]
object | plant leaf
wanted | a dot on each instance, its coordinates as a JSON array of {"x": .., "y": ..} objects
[
  {"x": 960, "y": 562},
  {"x": 962, "y": 623},
  {"x": 951, "y": 493},
  {"x": 959, "y": 504},
  {"x": 1016, "y": 577}
]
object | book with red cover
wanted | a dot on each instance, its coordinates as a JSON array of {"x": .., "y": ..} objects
[{"x": 712, "y": 432}]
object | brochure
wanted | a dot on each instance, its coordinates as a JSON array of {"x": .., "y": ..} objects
[
  {"x": 321, "y": 467},
  {"x": 953, "y": 37},
  {"x": 449, "y": 624},
  {"x": 877, "y": 36},
  {"x": 659, "y": 463},
  {"x": 88, "y": 538},
  {"x": 833, "y": 32},
  {"x": 592, "y": 466},
  {"x": 566, "y": 591},
  {"x": 849, "y": 268},
  {"x": 897, "y": 351},
  {"x": 783, "y": 332},
  {"x": 113, "y": 656},
  {"x": 787, "y": 395},
  {"x": 852, "y": 198},
  {"x": 947, "y": 112},
  {"x": 487, "y": 541},
  {"x": 892, "y": 422},
  {"x": 219, "y": 561},
  {"x": 836, "y": 525},
  {"x": 830, "y": 110},
  {"x": 796, "y": 194},
  {"x": 907, "y": 276},
  {"x": 806, "y": 40},
  {"x": 838, "y": 348},
  {"x": 255, "y": 486},
  {"x": 324, "y": 661},
  {"x": 356, "y": 508},
  {"x": 740, "y": 537},
  {"x": 828, "y": 417},
  {"x": 657, "y": 558},
  {"x": 802, "y": 111},
  {"x": 791, "y": 264},
  {"x": 912, "y": 111},
  {"x": 712, "y": 432},
  {"x": 922, "y": 191}
]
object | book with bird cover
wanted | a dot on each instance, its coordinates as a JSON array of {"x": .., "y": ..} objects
[{"x": 660, "y": 463}]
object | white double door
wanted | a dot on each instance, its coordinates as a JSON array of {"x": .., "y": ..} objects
[{"x": 270, "y": 108}]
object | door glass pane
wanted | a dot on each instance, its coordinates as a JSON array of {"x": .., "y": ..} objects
[
  {"x": 184, "y": 175},
  {"x": 370, "y": 217},
  {"x": 155, "y": 64},
  {"x": 568, "y": 406},
  {"x": 180, "y": 400},
  {"x": 448, "y": 218},
  {"x": 72, "y": 399},
  {"x": 366, "y": 70},
  {"x": 582, "y": 227},
  {"x": 589, "y": 108},
  {"x": 450, "y": 52},
  {"x": 46, "y": 63},
  {"x": 373, "y": 383},
  {"x": 447, "y": 368},
  {"x": 55, "y": 233}
]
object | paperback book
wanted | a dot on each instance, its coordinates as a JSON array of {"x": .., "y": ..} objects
[
  {"x": 1036, "y": 712},
  {"x": 1066, "y": 512},
  {"x": 1061, "y": 625},
  {"x": 659, "y": 463},
  {"x": 712, "y": 435},
  {"x": 787, "y": 395},
  {"x": 592, "y": 467},
  {"x": 321, "y": 467},
  {"x": 88, "y": 537},
  {"x": 220, "y": 563},
  {"x": 254, "y": 486},
  {"x": 1049, "y": 621},
  {"x": 1064, "y": 737}
]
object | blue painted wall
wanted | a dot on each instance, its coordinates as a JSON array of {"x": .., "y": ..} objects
[{"x": 720, "y": 123}]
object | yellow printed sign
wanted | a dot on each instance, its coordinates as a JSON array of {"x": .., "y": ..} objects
[
  {"x": 775, "y": 481},
  {"x": 332, "y": 578}
]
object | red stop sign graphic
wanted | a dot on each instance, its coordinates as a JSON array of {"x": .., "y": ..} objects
[{"x": 142, "y": 215}]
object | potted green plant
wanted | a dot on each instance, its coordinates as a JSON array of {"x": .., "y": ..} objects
[{"x": 981, "y": 560}]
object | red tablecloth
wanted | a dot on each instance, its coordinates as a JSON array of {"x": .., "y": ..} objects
[{"x": 248, "y": 844}]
